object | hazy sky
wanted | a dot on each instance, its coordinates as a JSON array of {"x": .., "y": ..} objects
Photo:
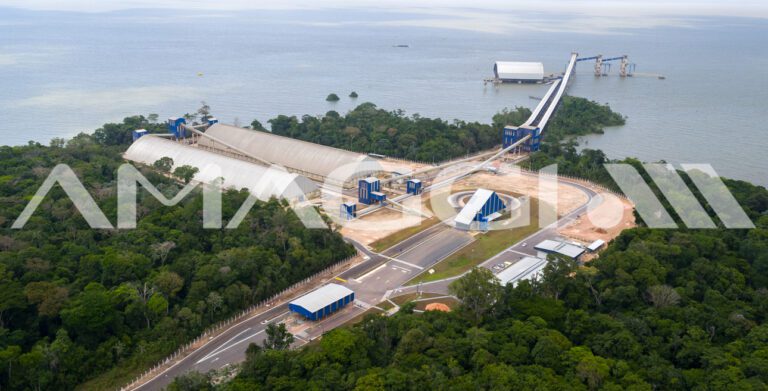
[
  {"x": 489, "y": 16},
  {"x": 748, "y": 8}
]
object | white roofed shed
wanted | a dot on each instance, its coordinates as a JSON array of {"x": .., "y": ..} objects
[
  {"x": 312, "y": 160},
  {"x": 262, "y": 182},
  {"x": 518, "y": 71},
  {"x": 525, "y": 269}
]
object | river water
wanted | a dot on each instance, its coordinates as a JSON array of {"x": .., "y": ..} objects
[{"x": 62, "y": 73}]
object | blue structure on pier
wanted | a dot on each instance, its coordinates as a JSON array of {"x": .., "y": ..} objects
[
  {"x": 138, "y": 133},
  {"x": 212, "y": 120},
  {"x": 513, "y": 134},
  {"x": 176, "y": 127},
  {"x": 413, "y": 186},
  {"x": 368, "y": 191},
  {"x": 535, "y": 124}
]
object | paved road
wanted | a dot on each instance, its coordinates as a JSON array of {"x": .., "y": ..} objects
[
  {"x": 372, "y": 280},
  {"x": 520, "y": 249}
]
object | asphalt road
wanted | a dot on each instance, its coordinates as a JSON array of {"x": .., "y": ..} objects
[
  {"x": 518, "y": 250},
  {"x": 372, "y": 280}
]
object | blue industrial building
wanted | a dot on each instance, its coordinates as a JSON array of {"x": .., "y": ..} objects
[
  {"x": 348, "y": 210},
  {"x": 322, "y": 302},
  {"x": 413, "y": 186},
  {"x": 484, "y": 206},
  {"x": 138, "y": 133},
  {"x": 176, "y": 127},
  {"x": 369, "y": 191},
  {"x": 513, "y": 134}
]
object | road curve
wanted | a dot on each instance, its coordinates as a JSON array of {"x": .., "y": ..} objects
[{"x": 372, "y": 280}]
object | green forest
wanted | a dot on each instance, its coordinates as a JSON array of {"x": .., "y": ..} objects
[
  {"x": 658, "y": 310},
  {"x": 369, "y": 129},
  {"x": 76, "y": 302}
]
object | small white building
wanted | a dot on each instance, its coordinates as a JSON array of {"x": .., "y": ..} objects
[
  {"x": 521, "y": 72},
  {"x": 596, "y": 245},
  {"x": 562, "y": 248},
  {"x": 527, "y": 268}
]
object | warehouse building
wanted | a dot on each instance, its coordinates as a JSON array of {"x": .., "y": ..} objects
[
  {"x": 317, "y": 162},
  {"x": 561, "y": 248},
  {"x": 322, "y": 302},
  {"x": 596, "y": 245},
  {"x": 262, "y": 182},
  {"x": 527, "y": 268},
  {"x": 518, "y": 72},
  {"x": 484, "y": 206}
]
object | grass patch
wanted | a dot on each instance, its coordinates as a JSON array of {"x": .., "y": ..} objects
[
  {"x": 402, "y": 299},
  {"x": 484, "y": 247},
  {"x": 359, "y": 318},
  {"x": 397, "y": 237}
]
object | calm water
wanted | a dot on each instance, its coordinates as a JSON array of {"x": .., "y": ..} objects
[{"x": 62, "y": 73}]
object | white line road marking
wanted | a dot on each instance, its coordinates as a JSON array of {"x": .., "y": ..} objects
[
  {"x": 404, "y": 262},
  {"x": 399, "y": 268},
  {"x": 361, "y": 278},
  {"x": 518, "y": 252},
  {"x": 408, "y": 264},
  {"x": 224, "y": 344},
  {"x": 221, "y": 347},
  {"x": 220, "y": 350}
]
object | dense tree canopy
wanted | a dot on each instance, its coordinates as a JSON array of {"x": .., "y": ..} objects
[
  {"x": 369, "y": 129},
  {"x": 659, "y": 309},
  {"x": 75, "y": 301}
]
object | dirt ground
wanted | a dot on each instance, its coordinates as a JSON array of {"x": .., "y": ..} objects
[
  {"x": 400, "y": 166},
  {"x": 605, "y": 220},
  {"x": 382, "y": 223}
]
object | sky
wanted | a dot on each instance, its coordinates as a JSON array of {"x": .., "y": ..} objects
[
  {"x": 488, "y": 16},
  {"x": 636, "y": 8}
]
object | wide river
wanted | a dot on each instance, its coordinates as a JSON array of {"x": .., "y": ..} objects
[{"x": 62, "y": 73}]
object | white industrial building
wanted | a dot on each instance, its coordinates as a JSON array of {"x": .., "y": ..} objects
[
  {"x": 315, "y": 161},
  {"x": 527, "y": 268},
  {"x": 596, "y": 245},
  {"x": 562, "y": 248},
  {"x": 523, "y": 72},
  {"x": 263, "y": 182}
]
